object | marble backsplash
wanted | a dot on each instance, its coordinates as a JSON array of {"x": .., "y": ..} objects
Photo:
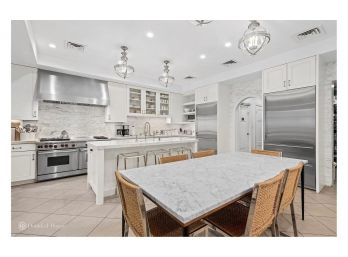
[{"x": 84, "y": 121}]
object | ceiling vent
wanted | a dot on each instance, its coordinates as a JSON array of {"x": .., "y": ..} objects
[
  {"x": 189, "y": 77},
  {"x": 75, "y": 46},
  {"x": 313, "y": 32},
  {"x": 230, "y": 62}
]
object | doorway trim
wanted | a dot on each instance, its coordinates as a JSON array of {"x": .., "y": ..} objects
[{"x": 236, "y": 118}]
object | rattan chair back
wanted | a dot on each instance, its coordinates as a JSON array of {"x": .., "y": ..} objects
[
  {"x": 133, "y": 206},
  {"x": 203, "y": 153},
  {"x": 173, "y": 158},
  {"x": 267, "y": 152},
  {"x": 290, "y": 186},
  {"x": 264, "y": 205}
]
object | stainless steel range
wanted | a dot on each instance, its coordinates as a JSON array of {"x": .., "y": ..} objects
[{"x": 60, "y": 157}]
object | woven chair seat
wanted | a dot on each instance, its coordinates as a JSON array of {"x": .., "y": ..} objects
[
  {"x": 231, "y": 219},
  {"x": 161, "y": 224}
]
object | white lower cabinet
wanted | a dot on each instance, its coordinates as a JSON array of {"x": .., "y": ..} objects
[{"x": 23, "y": 162}]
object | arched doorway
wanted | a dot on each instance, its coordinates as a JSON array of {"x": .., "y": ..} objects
[{"x": 249, "y": 124}]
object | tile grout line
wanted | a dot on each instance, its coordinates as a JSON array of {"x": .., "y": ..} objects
[{"x": 96, "y": 226}]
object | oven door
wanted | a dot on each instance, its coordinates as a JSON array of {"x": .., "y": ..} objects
[
  {"x": 57, "y": 161},
  {"x": 83, "y": 158}
]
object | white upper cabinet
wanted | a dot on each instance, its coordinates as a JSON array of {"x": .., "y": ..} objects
[
  {"x": 24, "y": 106},
  {"x": 176, "y": 107},
  {"x": 274, "y": 79},
  {"x": 206, "y": 94},
  {"x": 301, "y": 73},
  {"x": 116, "y": 111}
]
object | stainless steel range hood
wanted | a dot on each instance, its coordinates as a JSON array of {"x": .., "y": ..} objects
[{"x": 60, "y": 87}]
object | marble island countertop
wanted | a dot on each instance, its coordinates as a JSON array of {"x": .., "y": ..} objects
[{"x": 131, "y": 142}]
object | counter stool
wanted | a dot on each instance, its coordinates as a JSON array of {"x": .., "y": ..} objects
[
  {"x": 157, "y": 154},
  {"x": 126, "y": 156},
  {"x": 181, "y": 150}
]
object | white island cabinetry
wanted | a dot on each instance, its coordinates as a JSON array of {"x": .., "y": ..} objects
[{"x": 102, "y": 159}]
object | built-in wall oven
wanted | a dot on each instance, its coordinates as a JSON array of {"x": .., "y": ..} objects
[{"x": 58, "y": 159}]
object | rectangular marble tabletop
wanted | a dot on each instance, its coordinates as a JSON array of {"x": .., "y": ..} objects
[{"x": 190, "y": 189}]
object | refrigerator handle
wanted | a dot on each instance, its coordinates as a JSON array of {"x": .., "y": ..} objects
[{"x": 291, "y": 146}]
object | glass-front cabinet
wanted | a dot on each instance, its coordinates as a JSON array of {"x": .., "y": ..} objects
[
  {"x": 150, "y": 102},
  {"x": 164, "y": 104},
  {"x": 145, "y": 102},
  {"x": 135, "y": 101}
]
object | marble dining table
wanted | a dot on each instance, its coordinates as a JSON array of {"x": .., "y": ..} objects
[{"x": 190, "y": 190}]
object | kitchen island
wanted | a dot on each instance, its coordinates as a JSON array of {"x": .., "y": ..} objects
[{"x": 102, "y": 159}]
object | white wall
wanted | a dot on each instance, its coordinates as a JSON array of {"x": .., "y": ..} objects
[
  {"x": 238, "y": 90},
  {"x": 327, "y": 73}
]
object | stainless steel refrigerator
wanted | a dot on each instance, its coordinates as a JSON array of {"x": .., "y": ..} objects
[
  {"x": 290, "y": 127},
  {"x": 206, "y": 120}
]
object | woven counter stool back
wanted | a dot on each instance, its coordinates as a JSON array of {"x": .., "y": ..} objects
[
  {"x": 174, "y": 158},
  {"x": 266, "y": 152},
  {"x": 203, "y": 153},
  {"x": 133, "y": 206}
]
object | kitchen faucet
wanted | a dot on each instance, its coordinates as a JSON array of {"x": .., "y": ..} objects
[{"x": 147, "y": 129}]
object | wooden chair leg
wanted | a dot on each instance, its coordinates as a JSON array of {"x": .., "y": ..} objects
[
  {"x": 277, "y": 227},
  {"x": 123, "y": 225},
  {"x": 273, "y": 230},
  {"x": 293, "y": 217}
]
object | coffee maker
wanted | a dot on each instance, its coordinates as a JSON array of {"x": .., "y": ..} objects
[{"x": 122, "y": 130}]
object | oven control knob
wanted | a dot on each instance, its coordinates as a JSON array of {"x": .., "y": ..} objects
[
  {"x": 62, "y": 145},
  {"x": 55, "y": 146},
  {"x": 73, "y": 145},
  {"x": 66, "y": 145},
  {"x": 46, "y": 146},
  {"x": 50, "y": 146}
]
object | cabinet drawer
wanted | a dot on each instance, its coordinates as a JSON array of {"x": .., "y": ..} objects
[{"x": 23, "y": 147}]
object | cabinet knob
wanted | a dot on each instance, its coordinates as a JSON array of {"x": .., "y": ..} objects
[{"x": 289, "y": 83}]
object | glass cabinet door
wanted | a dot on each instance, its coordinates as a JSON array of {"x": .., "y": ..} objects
[
  {"x": 164, "y": 104},
  {"x": 150, "y": 102},
  {"x": 135, "y": 100}
]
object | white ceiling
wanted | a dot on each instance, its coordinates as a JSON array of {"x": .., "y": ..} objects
[{"x": 179, "y": 41}]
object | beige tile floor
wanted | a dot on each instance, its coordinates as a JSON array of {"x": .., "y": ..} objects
[{"x": 66, "y": 207}]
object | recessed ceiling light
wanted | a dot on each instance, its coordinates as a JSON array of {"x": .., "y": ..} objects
[
  {"x": 202, "y": 56},
  {"x": 52, "y": 45},
  {"x": 149, "y": 34},
  {"x": 228, "y": 44}
]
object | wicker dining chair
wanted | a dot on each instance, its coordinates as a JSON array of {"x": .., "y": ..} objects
[
  {"x": 173, "y": 158},
  {"x": 238, "y": 220},
  {"x": 267, "y": 152},
  {"x": 247, "y": 198},
  {"x": 288, "y": 194},
  {"x": 154, "y": 222},
  {"x": 203, "y": 153}
]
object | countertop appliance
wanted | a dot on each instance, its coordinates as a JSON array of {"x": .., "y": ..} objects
[
  {"x": 206, "y": 126},
  {"x": 290, "y": 127},
  {"x": 60, "y": 157}
]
